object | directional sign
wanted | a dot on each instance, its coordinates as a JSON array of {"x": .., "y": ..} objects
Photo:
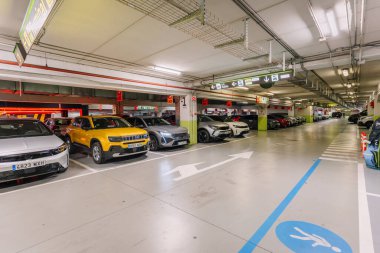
[
  {"x": 304, "y": 237},
  {"x": 189, "y": 170},
  {"x": 260, "y": 79}
]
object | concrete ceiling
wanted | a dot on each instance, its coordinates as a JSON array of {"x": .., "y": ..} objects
[{"x": 112, "y": 29}]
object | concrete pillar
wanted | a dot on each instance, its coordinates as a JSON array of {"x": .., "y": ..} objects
[
  {"x": 263, "y": 117},
  {"x": 291, "y": 112},
  {"x": 308, "y": 113},
  {"x": 118, "y": 108},
  {"x": 188, "y": 116}
]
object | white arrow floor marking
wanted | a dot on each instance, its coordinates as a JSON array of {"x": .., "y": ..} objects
[{"x": 190, "y": 170}]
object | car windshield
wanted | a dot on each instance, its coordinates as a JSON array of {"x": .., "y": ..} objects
[
  {"x": 156, "y": 122},
  {"x": 109, "y": 122},
  {"x": 204, "y": 118},
  {"x": 22, "y": 128},
  {"x": 62, "y": 122}
]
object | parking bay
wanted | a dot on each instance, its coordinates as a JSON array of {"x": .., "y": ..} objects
[{"x": 136, "y": 205}]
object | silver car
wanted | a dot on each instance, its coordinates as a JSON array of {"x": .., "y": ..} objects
[
  {"x": 29, "y": 148},
  {"x": 162, "y": 134},
  {"x": 209, "y": 129}
]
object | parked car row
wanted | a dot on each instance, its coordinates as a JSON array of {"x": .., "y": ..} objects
[
  {"x": 366, "y": 121},
  {"x": 354, "y": 118}
]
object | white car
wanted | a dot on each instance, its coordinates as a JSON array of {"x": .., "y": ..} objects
[
  {"x": 238, "y": 128},
  {"x": 29, "y": 148},
  {"x": 366, "y": 121}
]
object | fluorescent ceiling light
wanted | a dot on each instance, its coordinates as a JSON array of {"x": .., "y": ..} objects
[
  {"x": 331, "y": 19},
  {"x": 243, "y": 88},
  {"x": 270, "y": 94},
  {"x": 349, "y": 85},
  {"x": 170, "y": 71}
]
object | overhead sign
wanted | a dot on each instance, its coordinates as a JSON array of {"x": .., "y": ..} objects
[
  {"x": 169, "y": 99},
  {"x": 204, "y": 101},
  {"x": 35, "y": 18},
  {"x": 259, "y": 79},
  {"x": 19, "y": 53},
  {"x": 229, "y": 103},
  {"x": 262, "y": 100},
  {"x": 304, "y": 237},
  {"x": 119, "y": 96},
  {"x": 144, "y": 107}
]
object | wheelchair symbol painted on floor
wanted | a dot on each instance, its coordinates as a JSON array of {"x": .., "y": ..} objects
[{"x": 304, "y": 237}]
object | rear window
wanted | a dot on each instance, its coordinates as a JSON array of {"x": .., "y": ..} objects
[
  {"x": 62, "y": 122},
  {"x": 109, "y": 122},
  {"x": 22, "y": 128}
]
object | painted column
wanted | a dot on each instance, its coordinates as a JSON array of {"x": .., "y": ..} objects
[
  {"x": 308, "y": 113},
  {"x": 376, "y": 109},
  {"x": 291, "y": 111},
  {"x": 118, "y": 108},
  {"x": 188, "y": 116},
  {"x": 263, "y": 117}
]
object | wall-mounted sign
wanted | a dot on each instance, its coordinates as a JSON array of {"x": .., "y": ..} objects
[
  {"x": 145, "y": 107},
  {"x": 170, "y": 99},
  {"x": 36, "y": 15},
  {"x": 229, "y": 103},
  {"x": 262, "y": 100},
  {"x": 19, "y": 53},
  {"x": 194, "y": 98},
  {"x": 260, "y": 79},
  {"x": 205, "y": 102},
  {"x": 119, "y": 96}
]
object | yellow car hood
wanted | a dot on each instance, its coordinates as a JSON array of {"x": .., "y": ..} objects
[{"x": 123, "y": 131}]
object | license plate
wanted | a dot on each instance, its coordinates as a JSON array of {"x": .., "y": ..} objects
[
  {"x": 28, "y": 165},
  {"x": 182, "y": 142},
  {"x": 135, "y": 145}
]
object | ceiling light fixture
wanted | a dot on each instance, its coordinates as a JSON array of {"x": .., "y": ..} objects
[
  {"x": 243, "y": 88},
  {"x": 349, "y": 85},
  {"x": 345, "y": 72},
  {"x": 331, "y": 19},
  {"x": 170, "y": 71}
]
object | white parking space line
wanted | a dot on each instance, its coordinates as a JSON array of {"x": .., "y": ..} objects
[
  {"x": 373, "y": 194},
  {"x": 337, "y": 160},
  {"x": 155, "y": 153},
  {"x": 365, "y": 231},
  {"x": 83, "y": 165},
  {"x": 94, "y": 171}
]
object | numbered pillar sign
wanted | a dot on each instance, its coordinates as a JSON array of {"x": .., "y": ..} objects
[
  {"x": 229, "y": 103},
  {"x": 119, "y": 96},
  {"x": 170, "y": 100},
  {"x": 204, "y": 101},
  {"x": 194, "y": 98}
]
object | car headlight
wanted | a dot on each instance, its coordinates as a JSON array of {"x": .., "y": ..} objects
[
  {"x": 166, "y": 134},
  {"x": 115, "y": 138},
  {"x": 146, "y": 136},
  {"x": 213, "y": 127},
  {"x": 60, "y": 149}
]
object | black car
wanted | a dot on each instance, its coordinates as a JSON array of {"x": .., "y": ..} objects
[
  {"x": 355, "y": 117},
  {"x": 337, "y": 115},
  {"x": 253, "y": 121}
]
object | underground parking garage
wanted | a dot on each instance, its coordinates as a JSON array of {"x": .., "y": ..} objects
[{"x": 189, "y": 126}]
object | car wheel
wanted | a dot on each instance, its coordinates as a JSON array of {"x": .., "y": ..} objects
[
  {"x": 203, "y": 136},
  {"x": 70, "y": 145},
  {"x": 97, "y": 153},
  {"x": 368, "y": 124},
  {"x": 153, "y": 145}
]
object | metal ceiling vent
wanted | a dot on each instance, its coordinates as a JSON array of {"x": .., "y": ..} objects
[{"x": 192, "y": 17}]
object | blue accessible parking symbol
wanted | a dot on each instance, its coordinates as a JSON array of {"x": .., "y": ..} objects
[{"x": 304, "y": 237}]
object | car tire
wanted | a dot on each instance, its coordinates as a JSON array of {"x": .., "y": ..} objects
[
  {"x": 70, "y": 145},
  {"x": 368, "y": 124},
  {"x": 203, "y": 136},
  {"x": 97, "y": 153},
  {"x": 153, "y": 145}
]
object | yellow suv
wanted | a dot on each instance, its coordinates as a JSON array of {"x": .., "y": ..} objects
[{"x": 106, "y": 137}]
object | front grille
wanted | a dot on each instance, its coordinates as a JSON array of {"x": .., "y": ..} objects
[
  {"x": 224, "y": 128},
  {"x": 17, "y": 174},
  {"x": 181, "y": 136},
  {"x": 135, "y": 150},
  {"x": 25, "y": 156},
  {"x": 135, "y": 137}
]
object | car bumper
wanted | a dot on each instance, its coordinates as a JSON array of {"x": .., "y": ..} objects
[
  {"x": 174, "y": 143},
  {"x": 52, "y": 164},
  {"x": 221, "y": 134},
  {"x": 240, "y": 131},
  {"x": 118, "y": 151}
]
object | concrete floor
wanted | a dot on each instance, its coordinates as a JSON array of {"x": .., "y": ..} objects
[{"x": 202, "y": 199}]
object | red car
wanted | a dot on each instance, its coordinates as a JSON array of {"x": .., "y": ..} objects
[{"x": 283, "y": 121}]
